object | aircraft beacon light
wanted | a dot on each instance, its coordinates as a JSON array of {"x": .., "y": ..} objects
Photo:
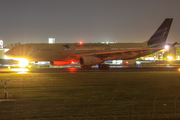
[{"x": 80, "y": 42}]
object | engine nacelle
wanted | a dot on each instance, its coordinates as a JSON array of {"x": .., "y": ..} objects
[{"x": 90, "y": 60}]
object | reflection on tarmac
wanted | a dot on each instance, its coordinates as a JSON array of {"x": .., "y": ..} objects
[
  {"x": 13, "y": 70},
  {"x": 73, "y": 70}
]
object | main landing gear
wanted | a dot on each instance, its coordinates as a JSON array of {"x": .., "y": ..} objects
[{"x": 103, "y": 66}]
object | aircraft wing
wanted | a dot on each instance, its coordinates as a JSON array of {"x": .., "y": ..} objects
[{"x": 132, "y": 51}]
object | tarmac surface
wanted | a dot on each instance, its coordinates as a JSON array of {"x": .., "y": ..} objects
[{"x": 73, "y": 70}]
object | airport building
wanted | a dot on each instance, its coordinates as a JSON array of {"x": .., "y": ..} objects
[
  {"x": 1, "y": 43},
  {"x": 51, "y": 40}
]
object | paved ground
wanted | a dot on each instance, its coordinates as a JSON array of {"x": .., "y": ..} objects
[{"x": 112, "y": 69}]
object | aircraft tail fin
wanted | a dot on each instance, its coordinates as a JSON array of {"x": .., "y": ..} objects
[{"x": 159, "y": 37}]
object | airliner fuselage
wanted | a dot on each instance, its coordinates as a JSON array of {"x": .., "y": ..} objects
[{"x": 88, "y": 54}]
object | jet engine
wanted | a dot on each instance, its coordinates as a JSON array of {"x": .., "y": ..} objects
[{"x": 89, "y": 60}]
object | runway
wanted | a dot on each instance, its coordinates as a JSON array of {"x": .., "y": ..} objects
[{"x": 74, "y": 70}]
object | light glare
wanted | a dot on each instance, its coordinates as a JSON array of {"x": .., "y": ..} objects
[
  {"x": 80, "y": 42},
  {"x": 169, "y": 58},
  {"x": 166, "y": 47},
  {"x": 23, "y": 62}
]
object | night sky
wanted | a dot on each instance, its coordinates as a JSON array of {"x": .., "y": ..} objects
[{"x": 34, "y": 21}]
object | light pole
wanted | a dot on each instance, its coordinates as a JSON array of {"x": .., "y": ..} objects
[{"x": 5, "y": 92}]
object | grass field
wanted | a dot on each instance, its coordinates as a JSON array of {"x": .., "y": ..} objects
[{"x": 91, "y": 95}]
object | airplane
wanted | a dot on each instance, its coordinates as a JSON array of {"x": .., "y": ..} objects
[{"x": 89, "y": 54}]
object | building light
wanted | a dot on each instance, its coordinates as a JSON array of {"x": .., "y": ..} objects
[
  {"x": 51, "y": 40},
  {"x": 166, "y": 47},
  {"x": 169, "y": 58}
]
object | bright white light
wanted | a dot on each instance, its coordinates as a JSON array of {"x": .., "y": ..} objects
[
  {"x": 5, "y": 57},
  {"x": 166, "y": 47},
  {"x": 51, "y": 40},
  {"x": 23, "y": 62},
  {"x": 149, "y": 58},
  {"x": 21, "y": 70},
  {"x": 169, "y": 58},
  {"x": 29, "y": 66}
]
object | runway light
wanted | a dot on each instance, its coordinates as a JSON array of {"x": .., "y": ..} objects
[{"x": 179, "y": 69}]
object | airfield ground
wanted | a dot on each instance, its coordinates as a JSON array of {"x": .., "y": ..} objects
[{"x": 91, "y": 95}]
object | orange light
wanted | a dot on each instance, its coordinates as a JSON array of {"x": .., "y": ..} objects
[
  {"x": 72, "y": 70},
  {"x": 72, "y": 62},
  {"x": 179, "y": 69},
  {"x": 80, "y": 42}
]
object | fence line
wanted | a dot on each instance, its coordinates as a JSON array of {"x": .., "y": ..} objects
[{"x": 92, "y": 108}]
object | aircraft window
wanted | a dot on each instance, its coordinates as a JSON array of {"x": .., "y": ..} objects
[
  {"x": 46, "y": 49},
  {"x": 35, "y": 49},
  {"x": 114, "y": 48}
]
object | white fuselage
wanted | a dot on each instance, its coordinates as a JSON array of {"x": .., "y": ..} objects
[{"x": 73, "y": 51}]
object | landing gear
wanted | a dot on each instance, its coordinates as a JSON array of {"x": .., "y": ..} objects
[
  {"x": 103, "y": 66},
  {"x": 86, "y": 66}
]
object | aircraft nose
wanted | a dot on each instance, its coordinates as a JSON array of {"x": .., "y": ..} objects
[{"x": 9, "y": 53}]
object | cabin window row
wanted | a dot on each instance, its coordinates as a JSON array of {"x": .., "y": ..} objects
[
  {"x": 41, "y": 49},
  {"x": 85, "y": 49},
  {"x": 124, "y": 48}
]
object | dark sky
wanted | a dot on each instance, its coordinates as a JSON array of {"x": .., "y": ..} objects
[{"x": 34, "y": 21}]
